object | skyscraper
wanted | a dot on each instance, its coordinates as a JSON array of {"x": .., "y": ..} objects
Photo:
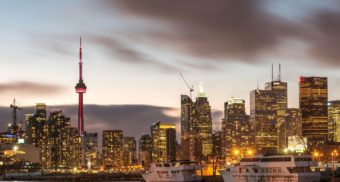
[
  {"x": 334, "y": 121},
  {"x": 217, "y": 141},
  {"x": 80, "y": 89},
  {"x": 145, "y": 150},
  {"x": 280, "y": 89},
  {"x": 163, "y": 137},
  {"x": 263, "y": 116},
  {"x": 91, "y": 148},
  {"x": 113, "y": 149},
  {"x": 129, "y": 151},
  {"x": 35, "y": 125},
  {"x": 313, "y": 92},
  {"x": 236, "y": 128},
  {"x": 61, "y": 144},
  {"x": 293, "y": 122},
  {"x": 203, "y": 120},
  {"x": 188, "y": 127}
]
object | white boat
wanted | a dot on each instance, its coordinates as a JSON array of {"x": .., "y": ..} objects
[
  {"x": 274, "y": 168},
  {"x": 173, "y": 172}
]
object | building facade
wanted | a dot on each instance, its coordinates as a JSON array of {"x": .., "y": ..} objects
[
  {"x": 145, "y": 150},
  {"x": 113, "y": 144},
  {"x": 91, "y": 149},
  {"x": 238, "y": 134},
  {"x": 130, "y": 148},
  {"x": 61, "y": 144},
  {"x": 334, "y": 121},
  {"x": 313, "y": 97},
  {"x": 35, "y": 125},
  {"x": 163, "y": 137}
]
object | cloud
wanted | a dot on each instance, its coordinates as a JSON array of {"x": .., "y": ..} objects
[
  {"x": 30, "y": 88},
  {"x": 127, "y": 53},
  {"x": 228, "y": 30},
  {"x": 223, "y": 29}
]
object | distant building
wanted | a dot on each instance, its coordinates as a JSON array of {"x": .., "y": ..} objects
[
  {"x": 263, "y": 116},
  {"x": 61, "y": 144},
  {"x": 293, "y": 125},
  {"x": 113, "y": 149},
  {"x": 91, "y": 148},
  {"x": 280, "y": 89},
  {"x": 236, "y": 128},
  {"x": 189, "y": 129},
  {"x": 334, "y": 121},
  {"x": 163, "y": 142},
  {"x": 203, "y": 122},
  {"x": 313, "y": 92},
  {"x": 35, "y": 125},
  {"x": 145, "y": 150},
  {"x": 129, "y": 151},
  {"x": 217, "y": 141}
]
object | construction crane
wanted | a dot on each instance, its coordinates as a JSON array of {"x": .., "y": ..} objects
[
  {"x": 191, "y": 89},
  {"x": 14, "y": 108}
]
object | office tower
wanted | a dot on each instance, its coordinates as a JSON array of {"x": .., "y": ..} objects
[
  {"x": 334, "y": 121},
  {"x": 35, "y": 125},
  {"x": 113, "y": 148},
  {"x": 236, "y": 128},
  {"x": 129, "y": 151},
  {"x": 313, "y": 92},
  {"x": 280, "y": 88},
  {"x": 263, "y": 117},
  {"x": 145, "y": 150},
  {"x": 203, "y": 120},
  {"x": 217, "y": 141},
  {"x": 293, "y": 122},
  {"x": 163, "y": 137},
  {"x": 188, "y": 127},
  {"x": 61, "y": 144},
  {"x": 80, "y": 89},
  {"x": 91, "y": 148}
]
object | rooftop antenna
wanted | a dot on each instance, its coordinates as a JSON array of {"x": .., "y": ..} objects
[
  {"x": 279, "y": 72},
  {"x": 191, "y": 89},
  {"x": 272, "y": 72},
  {"x": 258, "y": 84},
  {"x": 14, "y": 108}
]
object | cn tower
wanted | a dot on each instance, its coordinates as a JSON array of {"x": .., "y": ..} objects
[{"x": 80, "y": 89}]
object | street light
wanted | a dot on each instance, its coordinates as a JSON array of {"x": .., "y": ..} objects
[
  {"x": 250, "y": 152},
  {"x": 15, "y": 149}
]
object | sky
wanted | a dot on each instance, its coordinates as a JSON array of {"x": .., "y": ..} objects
[{"x": 134, "y": 50}]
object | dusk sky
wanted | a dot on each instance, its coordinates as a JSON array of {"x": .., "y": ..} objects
[{"x": 133, "y": 50}]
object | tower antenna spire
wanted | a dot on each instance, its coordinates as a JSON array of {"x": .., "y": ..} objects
[
  {"x": 80, "y": 89},
  {"x": 272, "y": 72},
  {"x": 279, "y": 71}
]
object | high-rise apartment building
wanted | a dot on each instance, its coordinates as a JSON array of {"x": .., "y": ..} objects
[
  {"x": 113, "y": 144},
  {"x": 217, "y": 141},
  {"x": 203, "y": 120},
  {"x": 145, "y": 150},
  {"x": 236, "y": 127},
  {"x": 263, "y": 116},
  {"x": 61, "y": 144},
  {"x": 163, "y": 142},
  {"x": 35, "y": 125},
  {"x": 129, "y": 151},
  {"x": 313, "y": 92},
  {"x": 334, "y": 121},
  {"x": 91, "y": 149}
]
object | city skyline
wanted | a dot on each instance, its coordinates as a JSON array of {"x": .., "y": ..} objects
[{"x": 174, "y": 90}]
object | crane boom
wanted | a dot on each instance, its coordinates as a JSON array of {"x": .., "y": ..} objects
[{"x": 191, "y": 89}]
